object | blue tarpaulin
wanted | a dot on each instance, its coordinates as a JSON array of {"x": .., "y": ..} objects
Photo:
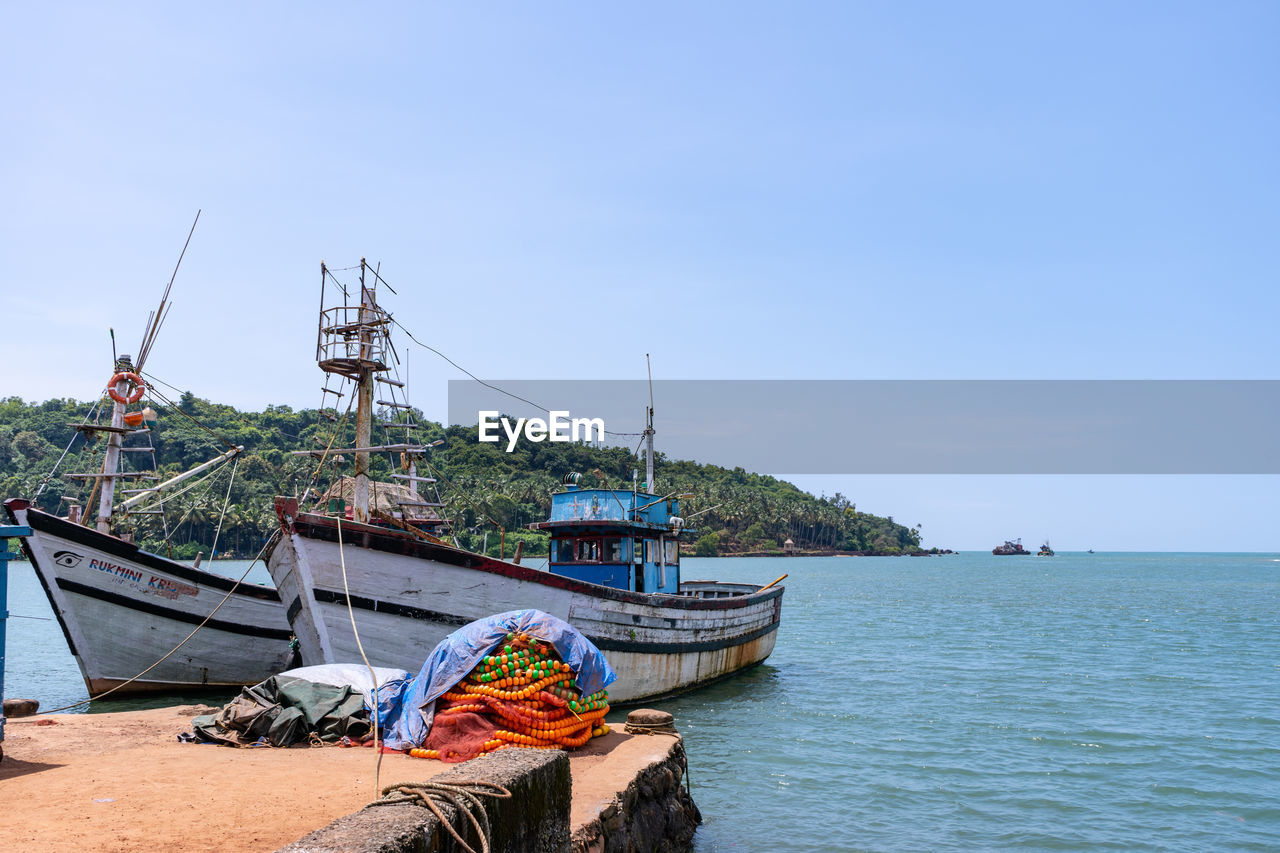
[{"x": 457, "y": 654}]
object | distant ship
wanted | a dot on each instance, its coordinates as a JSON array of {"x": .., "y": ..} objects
[
  {"x": 1045, "y": 550},
  {"x": 1010, "y": 548}
]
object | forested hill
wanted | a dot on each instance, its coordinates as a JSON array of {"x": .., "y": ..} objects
[{"x": 483, "y": 488}]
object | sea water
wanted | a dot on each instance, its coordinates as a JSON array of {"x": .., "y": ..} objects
[
  {"x": 966, "y": 702},
  {"x": 973, "y": 702}
]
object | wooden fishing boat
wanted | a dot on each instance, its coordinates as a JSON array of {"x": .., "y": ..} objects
[
  {"x": 123, "y": 609},
  {"x": 613, "y": 573}
]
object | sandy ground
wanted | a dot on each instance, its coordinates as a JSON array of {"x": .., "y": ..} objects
[{"x": 123, "y": 782}]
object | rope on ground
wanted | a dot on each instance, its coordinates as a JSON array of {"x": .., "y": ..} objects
[{"x": 463, "y": 795}]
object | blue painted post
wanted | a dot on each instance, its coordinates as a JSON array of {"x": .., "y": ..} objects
[{"x": 6, "y": 532}]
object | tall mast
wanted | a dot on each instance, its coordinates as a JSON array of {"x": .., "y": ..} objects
[
  {"x": 353, "y": 343},
  {"x": 111, "y": 462},
  {"x": 124, "y": 364},
  {"x": 364, "y": 401}
]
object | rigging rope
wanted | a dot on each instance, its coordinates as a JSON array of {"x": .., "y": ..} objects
[
  {"x": 235, "y": 414},
  {"x": 175, "y": 407},
  {"x": 488, "y": 384},
  {"x": 74, "y": 435},
  {"x": 148, "y": 507},
  {"x": 337, "y": 428},
  {"x": 226, "y": 501},
  {"x": 443, "y": 479}
]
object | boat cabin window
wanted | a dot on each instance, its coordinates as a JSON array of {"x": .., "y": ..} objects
[
  {"x": 672, "y": 554},
  {"x": 586, "y": 550}
]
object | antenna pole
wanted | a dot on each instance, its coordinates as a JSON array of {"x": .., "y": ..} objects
[{"x": 648, "y": 434}]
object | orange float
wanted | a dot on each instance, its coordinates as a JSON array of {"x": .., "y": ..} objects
[{"x": 139, "y": 387}]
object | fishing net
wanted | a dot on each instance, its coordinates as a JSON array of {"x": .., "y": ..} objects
[
  {"x": 522, "y": 696},
  {"x": 460, "y": 736}
]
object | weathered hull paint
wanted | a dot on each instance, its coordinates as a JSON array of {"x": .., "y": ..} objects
[
  {"x": 406, "y": 595},
  {"x": 121, "y": 609}
]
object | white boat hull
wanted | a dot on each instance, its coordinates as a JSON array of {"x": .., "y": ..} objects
[
  {"x": 407, "y": 595},
  {"x": 121, "y": 609}
]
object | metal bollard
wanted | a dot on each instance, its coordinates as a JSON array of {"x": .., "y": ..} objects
[{"x": 6, "y": 532}]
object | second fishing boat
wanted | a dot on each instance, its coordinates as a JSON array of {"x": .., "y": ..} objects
[{"x": 381, "y": 562}]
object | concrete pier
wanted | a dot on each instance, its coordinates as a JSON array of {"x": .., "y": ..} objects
[{"x": 123, "y": 782}]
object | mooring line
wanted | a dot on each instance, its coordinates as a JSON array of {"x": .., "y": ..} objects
[{"x": 373, "y": 696}]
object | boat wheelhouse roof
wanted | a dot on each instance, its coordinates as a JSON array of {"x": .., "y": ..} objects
[{"x": 611, "y": 509}]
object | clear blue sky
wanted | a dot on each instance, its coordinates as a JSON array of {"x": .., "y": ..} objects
[{"x": 745, "y": 190}]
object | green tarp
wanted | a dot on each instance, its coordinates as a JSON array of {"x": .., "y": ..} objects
[{"x": 282, "y": 711}]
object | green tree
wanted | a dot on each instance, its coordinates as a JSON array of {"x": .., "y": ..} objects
[{"x": 707, "y": 546}]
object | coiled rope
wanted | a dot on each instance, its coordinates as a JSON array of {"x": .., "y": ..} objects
[{"x": 464, "y": 795}]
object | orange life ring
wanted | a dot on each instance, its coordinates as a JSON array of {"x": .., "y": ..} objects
[{"x": 139, "y": 387}]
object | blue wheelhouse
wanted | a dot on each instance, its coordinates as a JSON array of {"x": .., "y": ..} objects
[{"x": 620, "y": 539}]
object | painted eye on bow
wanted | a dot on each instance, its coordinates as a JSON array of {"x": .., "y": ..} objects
[{"x": 66, "y": 558}]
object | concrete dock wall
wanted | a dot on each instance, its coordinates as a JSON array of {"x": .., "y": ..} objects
[
  {"x": 627, "y": 808},
  {"x": 654, "y": 814},
  {"x": 535, "y": 819}
]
